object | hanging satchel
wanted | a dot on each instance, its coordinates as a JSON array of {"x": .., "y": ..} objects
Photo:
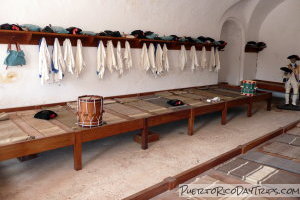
[{"x": 14, "y": 57}]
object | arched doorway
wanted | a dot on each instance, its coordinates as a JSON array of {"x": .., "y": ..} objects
[{"x": 231, "y": 58}]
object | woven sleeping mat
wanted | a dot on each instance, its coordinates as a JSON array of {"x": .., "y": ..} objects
[
  {"x": 239, "y": 167},
  {"x": 45, "y": 127},
  {"x": 162, "y": 101},
  {"x": 126, "y": 100},
  {"x": 272, "y": 161},
  {"x": 194, "y": 96},
  {"x": 294, "y": 131},
  {"x": 10, "y": 133},
  {"x": 150, "y": 107},
  {"x": 126, "y": 110},
  {"x": 282, "y": 177},
  {"x": 260, "y": 175},
  {"x": 163, "y": 94},
  {"x": 229, "y": 93},
  {"x": 207, "y": 93},
  {"x": 222, "y": 95},
  {"x": 109, "y": 118},
  {"x": 283, "y": 149},
  {"x": 288, "y": 139},
  {"x": 186, "y": 100}
]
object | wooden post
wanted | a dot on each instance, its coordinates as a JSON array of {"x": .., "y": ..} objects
[
  {"x": 249, "y": 110},
  {"x": 145, "y": 133},
  {"x": 269, "y": 104},
  {"x": 224, "y": 114},
  {"x": 191, "y": 122},
  {"x": 77, "y": 151}
]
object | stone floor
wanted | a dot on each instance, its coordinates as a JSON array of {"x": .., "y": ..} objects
[{"x": 116, "y": 167}]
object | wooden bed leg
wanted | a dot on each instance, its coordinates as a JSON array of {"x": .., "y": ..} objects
[
  {"x": 269, "y": 104},
  {"x": 249, "y": 110},
  {"x": 191, "y": 122},
  {"x": 77, "y": 152},
  {"x": 224, "y": 115},
  {"x": 145, "y": 135}
]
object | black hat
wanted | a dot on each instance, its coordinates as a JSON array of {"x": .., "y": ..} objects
[
  {"x": 48, "y": 29},
  {"x": 287, "y": 70},
  {"x": 251, "y": 43},
  {"x": 261, "y": 45},
  {"x": 45, "y": 114},
  {"x": 138, "y": 34},
  {"x": 74, "y": 30},
  {"x": 202, "y": 38},
  {"x": 174, "y": 37},
  {"x": 293, "y": 57},
  {"x": 208, "y": 39},
  {"x": 175, "y": 102}
]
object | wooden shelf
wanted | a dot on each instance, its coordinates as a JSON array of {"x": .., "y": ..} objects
[
  {"x": 33, "y": 38},
  {"x": 251, "y": 49}
]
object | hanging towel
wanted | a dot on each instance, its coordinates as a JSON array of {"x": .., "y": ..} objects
[
  {"x": 165, "y": 58},
  {"x": 151, "y": 54},
  {"x": 203, "y": 62},
  {"x": 110, "y": 56},
  {"x": 212, "y": 60},
  {"x": 45, "y": 62},
  {"x": 193, "y": 57},
  {"x": 145, "y": 63},
  {"x": 58, "y": 67},
  {"x": 218, "y": 64},
  {"x": 159, "y": 60},
  {"x": 68, "y": 56},
  {"x": 182, "y": 57},
  {"x": 101, "y": 60},
  {"x": 119, "y": 59},
  {"x": 79, "y": 62},
  {"x": 127, "y": 56}
]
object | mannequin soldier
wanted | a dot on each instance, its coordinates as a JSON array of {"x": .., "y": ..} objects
[{"x": 291, "y": 79}]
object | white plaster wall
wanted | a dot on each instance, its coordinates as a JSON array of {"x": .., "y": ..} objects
[
  {"x": 250, "y": 62},
  {"x": 180, "y": 17},
  {"x": 231, "y": 57},
  {"x": 281, "y": 32}
]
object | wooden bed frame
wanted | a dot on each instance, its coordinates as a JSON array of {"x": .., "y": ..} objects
[
  {"x": 76, "y": 138},
  {"x": 170, "y": 183}
]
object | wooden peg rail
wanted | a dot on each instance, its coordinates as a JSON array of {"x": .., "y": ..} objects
[{"x": 33, "y": 38}]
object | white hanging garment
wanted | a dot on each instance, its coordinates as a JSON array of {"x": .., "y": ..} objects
[
  {"x": 110, "y": 56},
  {"x": 127, "y": 56},
  {"x": 119, "y": 58},
  {"x": 79, "y": 62},
  {"x": 203, "y": 61},
  {"x": 145, "y": 63},
  {"x": 212, "y": 60},
  {"x": 165, "y": 58},
  {"x": 218, "y": 64},
  {"x": 44, "y": 62},
  {"x": 101, "y": 60},
  {"x": 68, "y": 56},
  {"x": 58, "y": 62},
  {"x": 193, "y": 57},
  {"x": 182, "y": 57},
  {"x": 159, "y": 60},
  {"x": 151, "y": 55}
]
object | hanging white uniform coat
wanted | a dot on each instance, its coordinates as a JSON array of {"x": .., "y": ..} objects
[
  {"x": 127, "y": 56},
  {"x": 59, "y": 66},
  {"x": 193, "y": 57},
  {"x": 218, "y": 64},
  {"x": 165, "y": 58},
  {"x": 159, "y": 60},
  {"x": 68, "y": 56},
  {"x": 182, "y": 57},
  {"x": 203, "y": 61},
  {"x": 151, "y": 54},
  {"x": 45, "y": 62},
  {"x": 101, "y": 60},
  {"x": 212, "y": 60},
  {"x": 145, "y": 63},
  {"x": 119, "y": 58},
  {"x": 79, "y": 62},
  {"x": 110, "y": 56}
]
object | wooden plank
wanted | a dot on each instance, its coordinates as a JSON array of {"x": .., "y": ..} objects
[
  {"x": 35, "y": 146},
  {"x": 111, "y": 129},
  {"x": 168, "y": 117},
  {"x": 209, "y": 108}
]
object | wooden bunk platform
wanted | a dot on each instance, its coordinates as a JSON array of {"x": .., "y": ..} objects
[
  {"x": 246, "y": 164},
  {"x": 23, "y": 135}
]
